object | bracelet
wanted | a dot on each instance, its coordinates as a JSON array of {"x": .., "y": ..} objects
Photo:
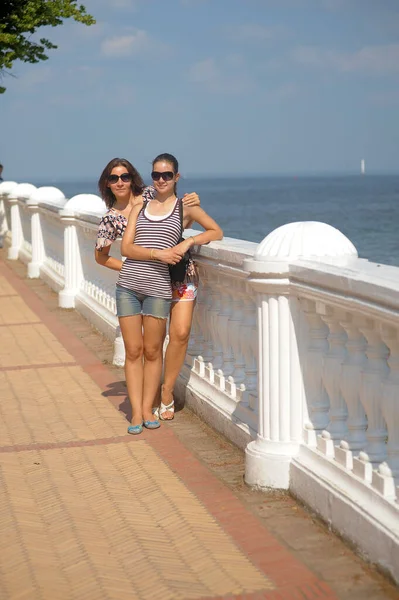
[
  {"x": 152, "y": 254},
  {"x": 193, "y": 238}
]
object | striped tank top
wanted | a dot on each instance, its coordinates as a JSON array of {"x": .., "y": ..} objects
[{"x": 151, "y": 277}]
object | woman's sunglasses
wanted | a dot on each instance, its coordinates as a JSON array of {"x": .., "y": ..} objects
[
  {"x": 126, "y": 177},
  {"x": 166, "y": 175}
]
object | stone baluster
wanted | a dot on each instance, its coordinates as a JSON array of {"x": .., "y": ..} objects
[
  {"x": 38, "y": 253},
  {"x": 16, "y": 229},
  {"x": 207, "y": 347},
  {"x": 376, "y": 370},
  {"x": 214, "y": 310},
  {"x": 119, "y": 348},
  {"x": 386, "y": 478},
  {"x": 6, "y": 188},
  {"x": 196, "y": 341},
  {"x": 250, "y": 349},
  {"x": 201, "y": 309},
  {"x": 351, "y": 381},
  {"x": 73, "y": 273},
  {"x": 316, "y": 396},
  {"x": 224, "y": 324},
  {"x": 332, "y": 377},
  {"x": 236, "y": 329}
]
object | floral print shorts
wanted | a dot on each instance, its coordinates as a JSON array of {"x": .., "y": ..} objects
[{"x": 186, "y": 291}]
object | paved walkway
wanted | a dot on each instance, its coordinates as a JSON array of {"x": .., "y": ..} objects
[{"x": 88, "y": 512}]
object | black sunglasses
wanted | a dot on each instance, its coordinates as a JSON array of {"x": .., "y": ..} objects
[
  {"x": 126, "y": 177},
  {"x": 166, "y": 176}
]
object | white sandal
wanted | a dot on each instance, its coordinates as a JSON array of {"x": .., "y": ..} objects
[{"x": 167, "y": 408}]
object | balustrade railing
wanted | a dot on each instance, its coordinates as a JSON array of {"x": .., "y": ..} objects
[{"x": 293, "y": 355}]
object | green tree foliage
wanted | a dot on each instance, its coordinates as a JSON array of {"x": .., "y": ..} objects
[{"x": 20, "y": 19}]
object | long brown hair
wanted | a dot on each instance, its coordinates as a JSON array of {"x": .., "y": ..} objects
[{"x": 137, "y": 184}]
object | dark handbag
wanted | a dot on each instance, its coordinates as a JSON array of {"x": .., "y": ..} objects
[{"x": 179, "y": 270}]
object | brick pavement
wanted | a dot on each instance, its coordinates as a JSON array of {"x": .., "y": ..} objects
[{"x": 87, "y": 511}]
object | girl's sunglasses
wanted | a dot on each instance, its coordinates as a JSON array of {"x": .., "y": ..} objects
[
  {"x": 126, "y": 177},
  {"x": 166, "y": 176}
]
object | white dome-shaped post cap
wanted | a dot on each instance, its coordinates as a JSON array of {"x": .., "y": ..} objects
[
  {"x": 48, "y": 195},
  {"x": 86, "y": 203},
  {"x": 23, "y": 190},
  {"x": 304, "y": 239},
  {"x": 309, "y": 240},
  {"x": 6, "y": 187}
]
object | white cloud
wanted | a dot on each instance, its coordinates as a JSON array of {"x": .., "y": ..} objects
[
  {"x": 204, "y": 71},
  {"x": 228, "y": 76},
  {"x": 378, "y": 59},
  {"x": 126, "y": 45},
  {"x": 282, "y": 92},
  {"x": 253, "y": 32},
  {"x": 370, "y": 59}
]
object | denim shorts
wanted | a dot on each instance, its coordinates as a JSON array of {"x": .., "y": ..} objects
[{"x": 130, "y": 303}]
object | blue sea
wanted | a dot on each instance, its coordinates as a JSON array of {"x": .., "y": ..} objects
[{"x": 365, "y": 209}]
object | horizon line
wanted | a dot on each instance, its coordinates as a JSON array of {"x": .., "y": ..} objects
[{"x": 222, "y": 175}]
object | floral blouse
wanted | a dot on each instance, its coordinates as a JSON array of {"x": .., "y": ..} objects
[{"x": 113, "y": 223}]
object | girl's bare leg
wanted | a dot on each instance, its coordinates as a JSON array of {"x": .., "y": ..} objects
[
  {"x": 154, "y": 335},
  {"x": 131, "y": 329},
  {"x": 181, "y": 317}
]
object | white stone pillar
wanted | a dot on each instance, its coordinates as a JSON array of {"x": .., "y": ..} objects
[
  {"x": 16, "y": 229},
  {"x": 281, "y": 337},
  {"x": 72, "y": 261},
  {"x": 37, "y": 241},
  {"x": 279, "y": 389},
  {"x": 6, "y": 187}
]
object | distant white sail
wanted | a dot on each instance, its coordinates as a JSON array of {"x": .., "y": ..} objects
[{"x": 363, "y": 166}]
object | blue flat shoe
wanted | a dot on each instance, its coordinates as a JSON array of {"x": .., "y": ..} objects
[
  {"x": 135, "y": 429},
  {"x": 152, "y": 424}
]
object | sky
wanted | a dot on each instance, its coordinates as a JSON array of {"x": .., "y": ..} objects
[{"x": 231, "y": 87}]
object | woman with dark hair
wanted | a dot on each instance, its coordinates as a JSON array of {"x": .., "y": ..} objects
[{"x": 146, "y": 294}]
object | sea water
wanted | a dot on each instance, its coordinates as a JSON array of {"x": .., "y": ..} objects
[{"x": 365, "y": 209}]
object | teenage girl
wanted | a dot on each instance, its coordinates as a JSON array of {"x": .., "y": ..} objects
[{"x": 145, "y": 293}]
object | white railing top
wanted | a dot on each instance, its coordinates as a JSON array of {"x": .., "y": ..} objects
[
  {"x": 47, "y": 195},
  {"x": 6, "y": 187},
  {"x": 22, "y": 191},
  {"x": 369, "y": 283},
  {"x": 83, "y": 204}
]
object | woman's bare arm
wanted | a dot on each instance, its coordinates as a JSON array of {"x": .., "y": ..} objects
[
  {"x": 103, "y": 258},
  {"x": 212, "y": 230}
]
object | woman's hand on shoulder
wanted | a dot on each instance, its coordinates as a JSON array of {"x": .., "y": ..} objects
[
  {"x": 137, "y": 201},
  {"x": 134, "y": 212},
  {"x": 191, "y": 199}
]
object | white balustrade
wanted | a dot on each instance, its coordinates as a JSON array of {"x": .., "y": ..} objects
[{"x": 294, "y": 353}]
